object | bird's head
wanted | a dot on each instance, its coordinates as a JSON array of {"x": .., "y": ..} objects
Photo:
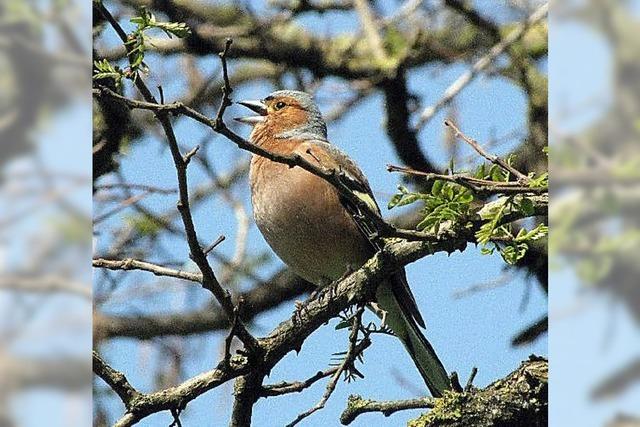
[{"x": 285, "y": 114}]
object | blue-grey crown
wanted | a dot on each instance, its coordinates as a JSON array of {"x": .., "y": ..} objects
[{"x": 316, "y": 128}]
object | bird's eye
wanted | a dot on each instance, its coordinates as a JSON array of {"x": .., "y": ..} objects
[{"x": 279, "y": 105}]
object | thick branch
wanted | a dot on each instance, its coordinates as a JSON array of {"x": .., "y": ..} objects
[
  {"x": 282, "y": 286},
  {"x": 397, "y": 124},
  {"x": 520, "y": 399},
  {"x": 116, "y": 380}
]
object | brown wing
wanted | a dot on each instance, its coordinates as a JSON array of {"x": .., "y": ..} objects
[{"x": 330, "y": 157}]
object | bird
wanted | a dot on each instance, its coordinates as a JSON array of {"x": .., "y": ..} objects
[{"x": 310, "y": 226}]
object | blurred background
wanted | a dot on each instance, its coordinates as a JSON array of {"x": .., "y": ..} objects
[
  {"x": 475, "y": 309},
  {"x": 594, "y": 293},
  {"x": 162, "y": 331},
  {"x": 45, "y": 213}
]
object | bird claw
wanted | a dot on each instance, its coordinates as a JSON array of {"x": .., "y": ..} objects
[{"x": 382, "y": 314}]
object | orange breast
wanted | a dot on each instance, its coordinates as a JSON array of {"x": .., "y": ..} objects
[{"x": 302, "y": 219}]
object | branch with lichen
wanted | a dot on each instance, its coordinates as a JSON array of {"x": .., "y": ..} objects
[{"x": 521, "y": 398}]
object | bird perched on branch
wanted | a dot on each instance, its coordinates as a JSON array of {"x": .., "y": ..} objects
[{"x": 311, "y": 227}]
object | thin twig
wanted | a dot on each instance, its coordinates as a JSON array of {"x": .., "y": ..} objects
[
  {"x": 297, "y": 386},
  {"x": 346, "y": 364},
  {"x": 121, "y": 206},
  {"x": 226, "y": 88},
  {"x": 472, "y": 376},
  {"x": 502, "y": 280},
  {"x": 491, "y": 157},
  {"x": 477, "y": 185},
  {"x": 143, "y": 187},
  {"x": 221, "y": 238},
  {"x": 158, "y": 270}
]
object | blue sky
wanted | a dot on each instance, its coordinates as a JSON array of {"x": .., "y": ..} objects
[{"x": 473, "y": 331}]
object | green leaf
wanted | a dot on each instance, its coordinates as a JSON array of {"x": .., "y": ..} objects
[
  {"x": 497, "y": 174},
  {"x": 394, "y": 201},
  {"x": 178, "y": 29},
  {"x": 437, "y": 188},
  {"x": 526, "y": 205},
  {"x": 408, "y": 199},
  {"x": 343, "y": 324},
  {"x": 539, "y": 182},
  {"x": 513, "y": 253},
  {"x": 466, "y": 197},
  {"x": 427, "y": 223},
  {"x": 449, "y": 192},
  {"x": 485, "y": 250}
]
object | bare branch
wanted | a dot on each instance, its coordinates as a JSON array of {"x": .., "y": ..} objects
[
  {"x": 116, "y": 380},
  {"x": 297, "y": 386},
  {"x": 480, "y": 186},
  {"x": 347, "y": 363},
  {"x": 146, "y": 188},
  {"x": 491, "y": 157},
  {"x": 158, "y": 270},
  {"x": 357, "y": 406}
]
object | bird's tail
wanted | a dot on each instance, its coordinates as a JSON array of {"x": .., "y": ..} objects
[{"x": 392, "y": 298}]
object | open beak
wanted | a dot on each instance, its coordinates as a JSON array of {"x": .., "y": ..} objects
[{"x": 256, "y": 106}]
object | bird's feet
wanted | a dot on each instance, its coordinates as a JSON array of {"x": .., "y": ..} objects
[{"x": 382, "y": 314}]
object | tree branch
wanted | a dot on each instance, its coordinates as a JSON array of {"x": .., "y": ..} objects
[
  {"x": 209, "y": 280},
  {"x": 478, "y": 186},
  {"x": 116, "y": 380},
  {"x": 519, "y": 399},
  {"x": 282, "y": 286},
  {"x": 347, "y": 363},
  {"x": 45, "y": 285},
  {"x": 491, "y": 157},
  {"x": 158, "y": 270},
  {"x": 357, "y": 406}
]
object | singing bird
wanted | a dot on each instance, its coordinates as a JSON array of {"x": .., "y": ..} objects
[{"x": 308, "y": 224}]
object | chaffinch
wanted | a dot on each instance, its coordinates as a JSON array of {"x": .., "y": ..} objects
[{"x": 307, "y": 224}]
